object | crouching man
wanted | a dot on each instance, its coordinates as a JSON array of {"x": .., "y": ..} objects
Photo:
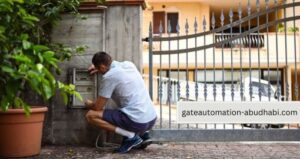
[{"x": 122, "y": 82}]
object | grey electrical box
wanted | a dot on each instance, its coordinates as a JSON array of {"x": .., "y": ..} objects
[{"x": 85, "y": 84}]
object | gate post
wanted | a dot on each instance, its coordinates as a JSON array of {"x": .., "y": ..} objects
[{"x": 150, "y": 63}]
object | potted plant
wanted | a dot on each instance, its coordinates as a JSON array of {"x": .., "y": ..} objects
[{"x": 29, "y": 62}]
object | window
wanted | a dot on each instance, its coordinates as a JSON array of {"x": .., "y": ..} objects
[
  {"x": 163, "y": 17},
  {"x": 173, "y": 18},
  {"x": 158, "y": 17},
  {"x": 272, "y": 74}
]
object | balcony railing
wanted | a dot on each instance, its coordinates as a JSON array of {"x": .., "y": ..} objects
[{"x": 253, "y": 40}]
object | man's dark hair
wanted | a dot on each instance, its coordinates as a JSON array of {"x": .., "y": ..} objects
[{"x": 101, "y": 58}]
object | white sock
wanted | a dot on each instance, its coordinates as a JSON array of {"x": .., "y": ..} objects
[{"x": 123, "y": 132}]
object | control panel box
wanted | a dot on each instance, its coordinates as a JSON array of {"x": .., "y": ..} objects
[{"x": 85, "y": 84}]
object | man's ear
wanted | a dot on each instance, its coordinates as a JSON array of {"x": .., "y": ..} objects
[{"x": 101, "y": 66}]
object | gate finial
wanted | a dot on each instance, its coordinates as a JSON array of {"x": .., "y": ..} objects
[
  {"x": 160, "y": 27},
  {"x": 231, "y": 15},
  {"x": 213, "y": 20},
  {"x": 177, "y": 27},
  {"x": 204, "y": 23},
  {"x": 222, "y": 18},
  {"x": 169, "y": 27},
  {"x": 195, "y": 25},
  {"x": 150, "y": 28},
  {"x": 267, "y": 4},
  {"x": 257, "y": 5},
  {"x": 240, "y": 11},
  {"x": 249, "y": 8},
  {"x": 186, "y": 26}
]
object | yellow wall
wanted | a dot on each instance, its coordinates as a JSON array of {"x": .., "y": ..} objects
[
  {"x": 290, "y": 13},
  {"x": 186, "y": 11}
]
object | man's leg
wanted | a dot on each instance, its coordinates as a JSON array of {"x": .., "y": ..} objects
[
  {"x": 146, "y": 136},
  {"x": 96, "y": 118}
]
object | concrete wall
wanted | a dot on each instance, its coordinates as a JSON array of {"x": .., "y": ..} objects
[
  {"x": 116, "y": 30},
  {"x": 123, "y": 33},
  {"x": 68, "y": 126}
]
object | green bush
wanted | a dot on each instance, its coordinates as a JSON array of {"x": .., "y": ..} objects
[{"x": 27, "y": 56}]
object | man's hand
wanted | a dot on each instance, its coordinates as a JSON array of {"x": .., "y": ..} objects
[
  {"x": 98, "y": 105},
  {"x": 89, "y": 104},
  {"x": 92, "y": 70}
]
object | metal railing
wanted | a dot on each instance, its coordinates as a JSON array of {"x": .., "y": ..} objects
[
  {"x": 253, "y": 40},
  {"x": 183, "y": 52}
]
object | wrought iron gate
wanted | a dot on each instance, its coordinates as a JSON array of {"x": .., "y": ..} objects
[{"x": 220, "y": 61}]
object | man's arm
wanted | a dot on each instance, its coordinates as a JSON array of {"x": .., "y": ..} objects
[
  {"x": 92, "y": 70},
  {"x": 98, "y": 105}
]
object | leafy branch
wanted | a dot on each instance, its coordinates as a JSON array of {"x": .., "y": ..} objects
[{"x": 28, "y": 57}]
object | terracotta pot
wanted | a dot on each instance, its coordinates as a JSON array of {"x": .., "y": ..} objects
[{"x": 21, "y": 136}]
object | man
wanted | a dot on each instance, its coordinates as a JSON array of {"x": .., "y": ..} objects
[{"x": 123, "y": 83}]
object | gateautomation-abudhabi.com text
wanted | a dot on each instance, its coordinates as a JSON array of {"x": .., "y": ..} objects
[
  {"x": 230, "y": 112},
  {"x": 237, "y": 112}
]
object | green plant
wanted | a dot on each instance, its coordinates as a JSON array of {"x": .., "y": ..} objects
[
  {"x": 280, "y": 27},
  {"x": 293, "y": 29},
  {"x": 100, "y": 1},
  {"x": 27, "y": 56}
]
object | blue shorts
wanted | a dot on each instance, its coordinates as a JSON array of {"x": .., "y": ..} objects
[{"x": 120, "y": 119}]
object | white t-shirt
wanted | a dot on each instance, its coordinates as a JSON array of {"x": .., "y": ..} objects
[{"x": 124, "y": 84}]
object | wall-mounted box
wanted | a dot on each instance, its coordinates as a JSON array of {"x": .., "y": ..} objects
[{"x": 85, "y": 84}]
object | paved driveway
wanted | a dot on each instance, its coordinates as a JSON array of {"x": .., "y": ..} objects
[{"x": 180, "y": 150}]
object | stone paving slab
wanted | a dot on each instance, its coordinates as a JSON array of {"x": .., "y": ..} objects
[{"x": 180, "y": 151}]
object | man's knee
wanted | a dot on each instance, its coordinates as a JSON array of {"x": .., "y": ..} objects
[
  {"x": 88, "y": 117},
  {"x": 91, "y": 115}
]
